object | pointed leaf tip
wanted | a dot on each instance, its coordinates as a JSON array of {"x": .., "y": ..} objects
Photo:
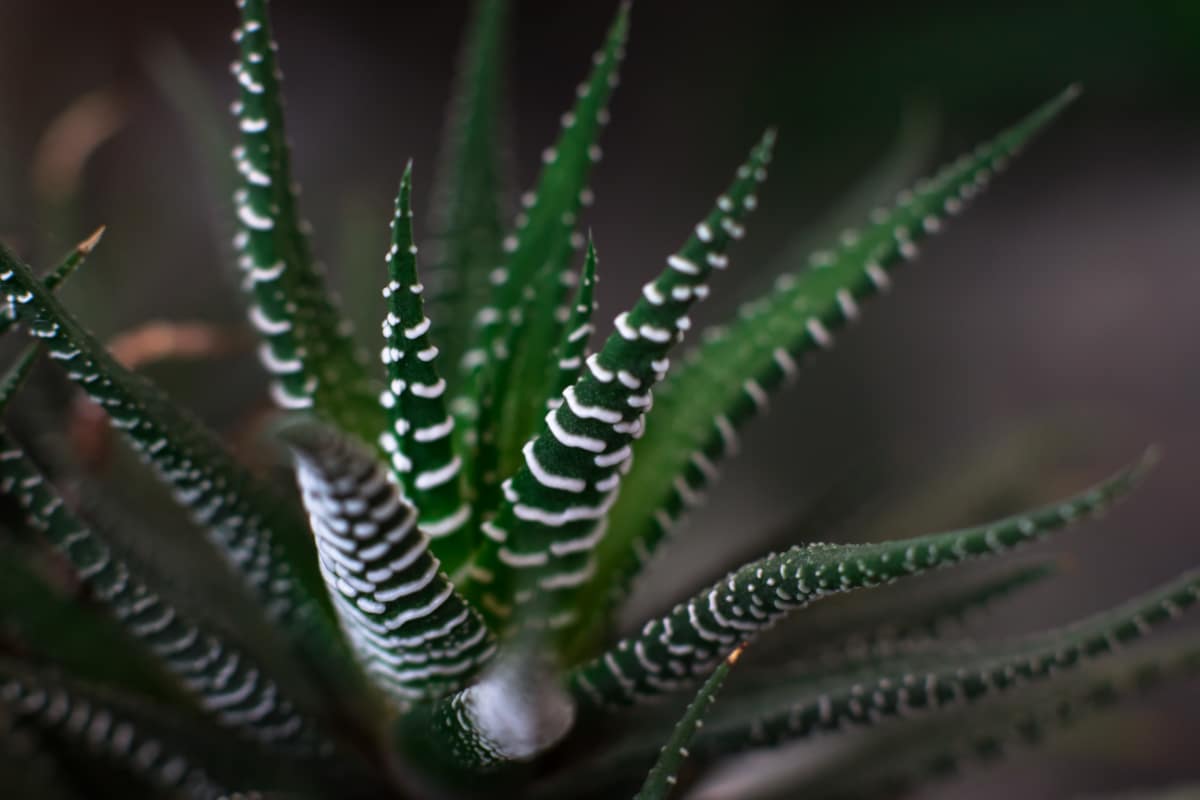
[{"x": 89, "y": 244}]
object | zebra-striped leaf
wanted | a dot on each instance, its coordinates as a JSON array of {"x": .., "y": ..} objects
[
  {"x": 51, "y": 623},
  {"x": 897, "y": 760},
  {"x": 73, "y": 261},
  {"x": 567, "y": 365},
  {"x": 224, "y": 680},
  {"x": 419, "y": 440},
  {"x": 256, "y": 531},
  {"x": 413, "y": 634},
  {"x": 307, "y": 346},
  {"x": 945, "y": 680},
  {"x": 728, "y": 378},
  {"x": 539, "y": 546},
  {"x": 518, "y": 328},
  {"x": 670, "y": 652},
  {"x": 118, "y": 730}
]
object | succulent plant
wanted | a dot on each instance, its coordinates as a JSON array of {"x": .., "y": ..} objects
[{"x": 435, "y": 613}]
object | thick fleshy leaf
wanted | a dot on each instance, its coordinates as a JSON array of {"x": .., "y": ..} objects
[
  {"x": 118, "y": 732},
  {"x": 224, "y": 680},
  {"x": 880, "y": 630},
  {"x": 539, "y": 546},
  {"x": 50, "y": 623},
  {"x": 943, "y": 680},
  {"x": 664, "y": 774},
  {"x": 518, "y": 328},
  {"x": 307, "y": 346},
  {"x": 413, "y": 634},
  {"x": 470, "y": 187},
  {"x": 727, "y": 380},
  {"x": 670, "y": 652},
  {"x": 566, "y": 368},
  {"x": 419, "y": 439},
  {"x": 896, "y": 760},
  {"x": 255, "y": 530}
]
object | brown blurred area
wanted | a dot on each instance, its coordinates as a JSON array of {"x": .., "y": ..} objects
[{"x": 1064, "y": 300}]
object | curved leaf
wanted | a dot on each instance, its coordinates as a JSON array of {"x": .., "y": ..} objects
[
  {"x": 412, "y": 633},
  {"x": 728, "y": 378},
  {"x": 671, "y": 651}
]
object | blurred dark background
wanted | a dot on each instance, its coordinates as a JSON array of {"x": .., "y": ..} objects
[{"x": 1038, "y": 344}]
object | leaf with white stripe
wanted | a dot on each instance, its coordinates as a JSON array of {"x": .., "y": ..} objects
[
  {"x": 727, "y": 379},
  {"x": 419, "y": 440},
  {"x": 119, "y": 731},
  {"x": 944, "y": 680},
  {"x": 307, "y": 346},
  {"x": 671, "y": 652},
  {"x": 539, "y": 547},
  {"x": 256, "y": 531},
  {"x": 50, "y": 622},
  {"x": 73, "y": 261},
  {"x": 413, "y": 634},
  {"x": 567, "y": 364},
  {"x": 224, "y": 680},
  {"x": 517, "y": 329},
  {"x": 897, "y": 759}
]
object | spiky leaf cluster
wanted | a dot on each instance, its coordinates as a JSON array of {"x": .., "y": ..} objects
[{"x": 439, "y": 602}]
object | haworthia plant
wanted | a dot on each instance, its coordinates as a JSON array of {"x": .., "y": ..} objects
[{"x": 472, "y": 508}]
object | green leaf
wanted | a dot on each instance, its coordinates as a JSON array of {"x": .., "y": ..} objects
[
  {"x": 567, "y": 365},
  {"x": 671, "y": 651},
  {"x": 539, "y": 547},
  {"x": 254, "y": 529},
  {"x": 307, "y": 346},
  {"x": 663, "y": 775},
  {"x": 73, "y": 261},
  {"x": 899, "y": 623},
  {"x": 223, "y": 679},
  {"x": 728, "y": 378},
  {"x": 415, "y": 637},
  {"x": 58, "y": 626},
  {"x": 118, "y": 731},
  {"x": 898, "y": 759},
  {"x": 518, "y": 328},
  {"x": 419, "y": 440},
  {"x": 470, "y": 187},
  {"x": 946, "y": 679},
  {"x": 16, "y": 375}
]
